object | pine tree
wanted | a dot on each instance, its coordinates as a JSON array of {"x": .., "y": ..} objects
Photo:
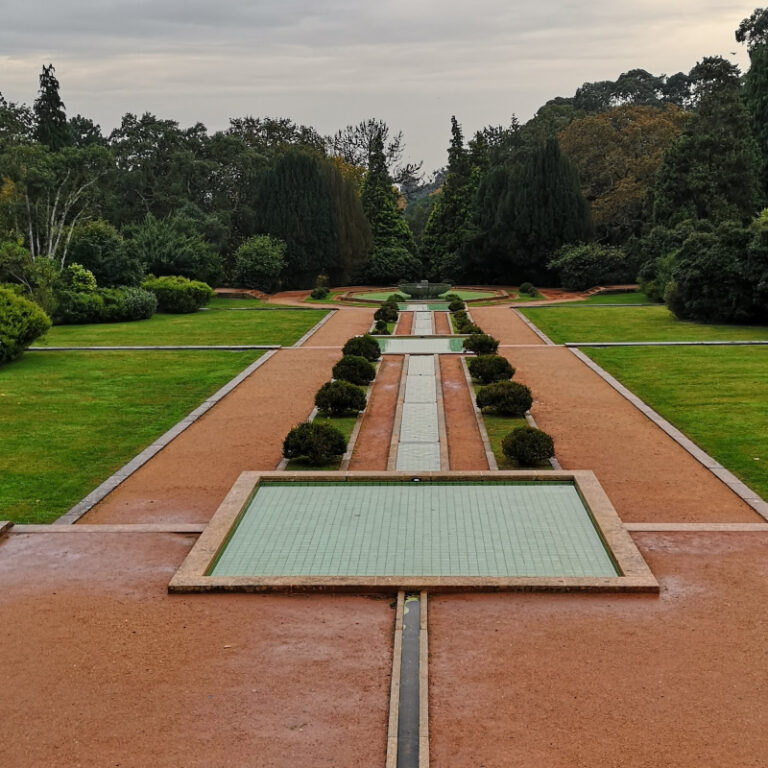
[
  {"x": 52, "y": 128},
  {"x": 712, "y": 170},
  {"x": 754, "y": 32}
]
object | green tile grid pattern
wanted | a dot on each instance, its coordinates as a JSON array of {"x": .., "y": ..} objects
[
  {"x": 411, "y": 529},
  {"x": 402, "y": 345}
]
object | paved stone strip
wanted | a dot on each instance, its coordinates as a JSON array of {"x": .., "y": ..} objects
[
  {"x": 95, "y": 496},
  {"x": 312, "y": 331},
  {"x": 112, "y": 528},
  {"x": 422, "y": 324},
  {"x": 697, "y": 527},
  {"x": 543, "y": 336},
  {"x": 163, "y": 348},
  {"x": 577, "y": 344},
  {"x": 742, "y": 490}
]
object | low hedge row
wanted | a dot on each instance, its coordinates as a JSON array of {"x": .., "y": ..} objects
[
  {"x": 178, "y": 295},
  {"x": 21, "y": 322},
  {"x": 104, "y": 305}
]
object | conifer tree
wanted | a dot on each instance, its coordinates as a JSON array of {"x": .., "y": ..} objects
[
  {"x": 52, "y": 128},
  {"x": 711, "y": 171}
]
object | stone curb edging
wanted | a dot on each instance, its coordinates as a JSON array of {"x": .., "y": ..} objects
[
  {"x": 442, "y": 432},
  {"x": 697, "y": 527},
  {"x": 489, "y": 455},
  {"x": 164, "y": 348},
  {"x": 311, "y": 332},
  {"x": 113, "y": 528},
  {"x": 122, "y": 474},
  {"x": 543, "y": 336},
  {"x": 394, "y": 689},
  {"x": 742, "y": 490}
]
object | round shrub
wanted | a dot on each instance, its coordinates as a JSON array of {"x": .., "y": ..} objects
[
  {"x": 386, "y": 312},
  {"x": 178, "y": 295},
  {"x": 527, "y": 289},
  {"x": 123, "y": 304},
  {"x": 381, "y": 328},
  {"x": 337, "y": 398},
  {"x": 451, "y": 297},
  {"x": 481, "y": 344},
  {"x": 318, "y": 442},
  {"x": 21, "y": 322},
  {"x": 461, "y": 316},
  {"x": 456, "y": 305},
  {"x": 528, "y": 446},
  {"x": 507, "y": 398},
  {"x": 354, "y": 369},
  {"x": 77, "y": 308},
  {"x": 362, "y": 346},
  {"x": 321, "y": 292},
  {"x": 469, "y": 327},
  {"x": 489, "y": 368}
]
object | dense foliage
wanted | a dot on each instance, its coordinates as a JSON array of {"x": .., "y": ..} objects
[
  {"x": 259, "y": 262},
  {"x": 178, "y": 295},
  {"x": 21, "y": 322}
]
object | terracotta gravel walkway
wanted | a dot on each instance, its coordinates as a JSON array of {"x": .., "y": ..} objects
[
  {"x": 465, "y": 445},
  {"x": 405, "y": 326},
  {"x": 647, "y": 476},
  {"x": 579, "y": 681},
  {"x": 102, "y": 668},
  {"x": 503, "y": 324},
  {"x": 344, "y": 324},
  {"x": 372, "y": 447}
]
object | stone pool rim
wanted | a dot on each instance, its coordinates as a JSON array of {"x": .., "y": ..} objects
[{"x": 634, "y": 573}]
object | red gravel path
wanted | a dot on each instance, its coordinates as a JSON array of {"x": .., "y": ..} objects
[
  {"x": 504, "y": 324},
  {"x": 465, "y": 446},
  {"x": 405, "y": 325},
  {"x": 188, "y": 479},
  {"x": 442, "y": 324},
  {"x": 372, "y": 447},
  {"x": 102, "y": 668},
  {"x": 344, "y": 324},
  {"x": 647, "y": 476},
  {"x": 578, "y": 681}
]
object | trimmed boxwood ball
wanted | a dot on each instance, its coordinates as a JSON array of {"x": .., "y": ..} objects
[
  {"x": 527, "y": 446},
  {"x": 318, "y": 442},
  {"x": 507, "y": 398},
  {"x": 469, "y": 327},
  {"x": 337, "y": 398},
  {"x": 489, "y": 368},
  {"x": 320, "y": 292},
  {"x": 527, "y": 289},
  {"x": 461, "y": 316},
  {"x": 21, "y": 322},
  {"x": 386, "y": 312},
  {"x": 178, "y": 295},
  {"x": 354, "y": 369},
  {"x": 481, "y": 344},
  {"x": 456, "y": 305},
  {"x": 363, "y": 346},
  {"x": 381, "y": 328}
]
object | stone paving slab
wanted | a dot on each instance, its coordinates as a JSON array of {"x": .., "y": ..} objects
[
  {"x": 421, "y": 365},
  {"x": 435, "y": 345},
  {"x": 422, "y": 324},
  {"x": 420, "y": 389},
  {"x": 418, "y": 457},
  {"x": 419, "y": 423}
]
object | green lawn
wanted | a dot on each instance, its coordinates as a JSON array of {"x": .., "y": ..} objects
[
  {"x": 211, "y": 327},
  {"x": 630, "y": 323},
  {"x": 636, "y": 297},
  {"x": 331, "y": 298},
  {"x": 219, "y": 303},
  {"x": 345, "y": 424},
  {"x": 384, "y": 295},
  {"x": 715, "y": 395},
  {"x": 68, "y": 420}
]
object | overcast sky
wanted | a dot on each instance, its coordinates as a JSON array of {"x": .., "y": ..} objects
[{"x": 329, "y": 63}]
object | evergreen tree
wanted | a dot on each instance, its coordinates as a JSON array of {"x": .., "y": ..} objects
[
  {"x": 52, "y": 128},
  {"x": 712, "y": 170},
  {"x": 754, "y": 32},
  {"x": 446, "y": 230}
]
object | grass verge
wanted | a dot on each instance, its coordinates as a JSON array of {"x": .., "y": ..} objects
[
  {"x": 71, "y": 419},
  {"x": 715, "y": 395},
  {"x": 211, "y": 327},
  {"x": 657, "y": 323}
]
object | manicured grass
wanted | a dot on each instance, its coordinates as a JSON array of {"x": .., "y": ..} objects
[
  {"x": 218, "y": 303},
  {"x": 211, "y": 327},
  {"x": 68, "y": 420},
  {"x": 345, "y": 424},
  {"x": 629, "y": 323},
  {"x": 636, "y": 297},
  {"x": 331, "y": 298},
  {"x": 498, "y": 427},
  {"x": 715, "y": 395},
  {"x": 473, "y": 294},
  {"x": 384, "y": 295}
]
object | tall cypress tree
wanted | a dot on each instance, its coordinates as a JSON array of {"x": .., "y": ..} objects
[
  {"x": 712, "y": 170},
  {"x": 52, "y": 128},
  {"x": 446, "y": 230}
]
